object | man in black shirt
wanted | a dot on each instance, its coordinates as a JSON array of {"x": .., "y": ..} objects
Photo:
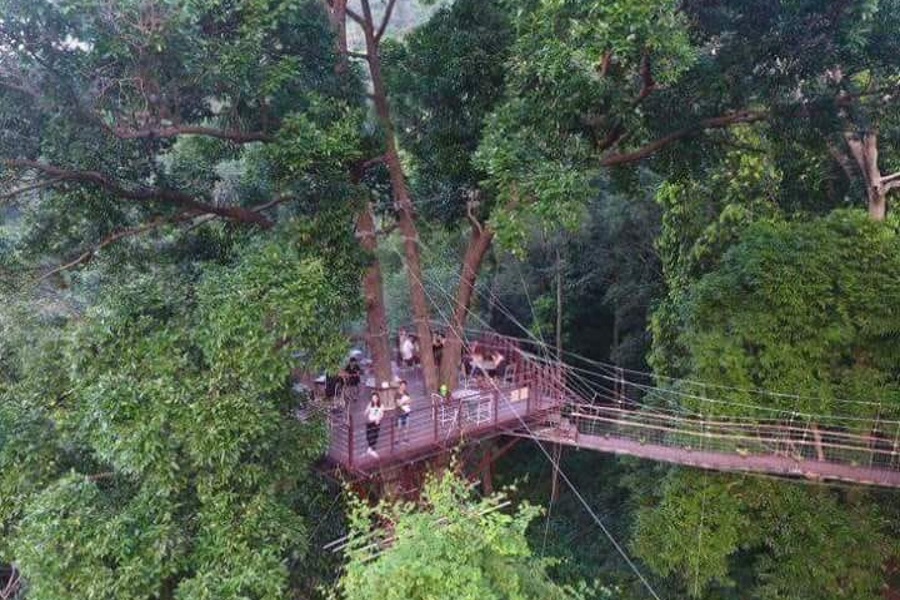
[{"x": 352, "y": 378}]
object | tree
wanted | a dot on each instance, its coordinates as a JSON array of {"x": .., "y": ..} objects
[
  {"x": 451, "y": 546},
  {"x": 136, "y": 116},
  {"x": 444, "y": 79},
  {"x": 166, "y": 459},
  {"x": 818, "y": 280},
  {"x": 93, "y": 95},
  {"x": 593, "y": 86},
  {"x": 796, "y": 308}
]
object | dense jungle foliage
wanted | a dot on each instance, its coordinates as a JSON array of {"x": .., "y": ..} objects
[{"x": 204, "y": 198}]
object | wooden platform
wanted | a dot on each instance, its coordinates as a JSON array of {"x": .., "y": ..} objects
[{"x": 475, "y": 412}]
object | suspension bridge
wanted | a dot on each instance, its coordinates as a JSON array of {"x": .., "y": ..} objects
[{"x": 543, "y": 399}]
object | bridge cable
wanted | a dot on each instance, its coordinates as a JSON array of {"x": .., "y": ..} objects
[{"x": 540, "y": 445}]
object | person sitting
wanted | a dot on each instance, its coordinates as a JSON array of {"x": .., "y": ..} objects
[
  {"x": 499, "y": 363},
  {"x": 331, "y": 386}
]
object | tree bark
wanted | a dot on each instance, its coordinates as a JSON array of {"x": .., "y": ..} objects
[
  {"x": 402, "y": 201},
  {"x": 337, "y": 13},
  {"x": 864, "y": 149},
  {"x": 377, "y": 337},
  {"x": 479, "y": 244}
]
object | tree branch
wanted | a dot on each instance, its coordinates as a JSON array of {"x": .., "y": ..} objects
[
  {"x": 746, "y": 116},
  {"x": 385, "y": 20},
  {"x": 11, "y": 589},
  {"x": 615, "y": 135},
  {"x": 647, "y": 82},
  {"x": 842, "y": 159},
  {"x": 172, "y": 197},
  {"x": 892, "y": 178},
  {"x": 355, "y": 16},
  {"x": 86, "y": 256},
  {"x": 471, "y": 205},
  {"x": 368, "y": 164},
  {"x": 361, "y": 55},
  {"x": 605, "y": 63},
  {"x": 238, "y": 137},
  {"x": 368, "y": 23},
  {"x": 28, "y": 188}
]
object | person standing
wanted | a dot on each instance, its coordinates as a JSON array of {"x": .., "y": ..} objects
[
  {"x": 437, "y": 347},
  {"x": 404, "y": 406},
  {"x": 374, "y": 414},
  {"x": 408, "y": 351},
  {"x": 352, "y": 378}
]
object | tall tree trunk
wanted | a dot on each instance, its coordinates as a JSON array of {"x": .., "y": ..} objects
[
  {"x": 864, "y": 149},
  {"x": 377, "y": 337},
  {"x": 377, "y": 333},
  {"x": 479, "y": 244},
  {"x": 337, "y": 14},
  {"x": 402, "y": 201}
]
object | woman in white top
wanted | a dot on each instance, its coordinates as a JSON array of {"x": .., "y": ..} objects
[
  {"x": 374, "y": 414},
  {"x": 408, "y": 351}
]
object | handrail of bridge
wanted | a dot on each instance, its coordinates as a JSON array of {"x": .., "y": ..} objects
[
  {"x": 832, "y": 430},
  {"x": 734, "y": 438}
]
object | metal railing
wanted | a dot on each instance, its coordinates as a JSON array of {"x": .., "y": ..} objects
[{"x": 876, "y": 448}]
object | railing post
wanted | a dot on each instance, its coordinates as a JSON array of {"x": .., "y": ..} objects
[
  {"x": 535, "y": 389},
  {"x": 496, "y": 403},
  {"x": 350, "y": 441},
  {"x": 393, "y": 429},
  {"x": 873, "y": 438},
  {"x": 895, "y": 450},
  {"x": 435, "y": 411}
]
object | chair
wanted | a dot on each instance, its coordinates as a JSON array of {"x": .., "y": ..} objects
[
  {"x": 509, "y": 373},
  {"x": 444, "y": 413}
]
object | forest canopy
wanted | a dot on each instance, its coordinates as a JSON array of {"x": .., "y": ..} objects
[{"x": 206, "y": 204}]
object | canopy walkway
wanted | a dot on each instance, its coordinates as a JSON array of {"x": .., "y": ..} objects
[{"x": 537, "y": 399}]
